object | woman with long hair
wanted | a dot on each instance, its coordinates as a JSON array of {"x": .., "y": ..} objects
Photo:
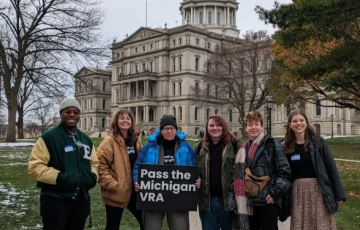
[
  {"x": 215, "y": 156},
  {"x": 316, "y": 189},
  {"x": 117, "y": 154}
]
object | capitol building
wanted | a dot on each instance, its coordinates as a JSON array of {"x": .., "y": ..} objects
[{"x": 152, "y": 72}]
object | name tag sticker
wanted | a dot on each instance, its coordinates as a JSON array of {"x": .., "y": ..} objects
[
  {"x": 68, "y": 148},
  {"x": 295, "y": 157}
]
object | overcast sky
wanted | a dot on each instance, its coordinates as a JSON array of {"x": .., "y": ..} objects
[{"x": 126, "y": 16}]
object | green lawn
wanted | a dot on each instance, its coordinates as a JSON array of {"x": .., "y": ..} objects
[{"x": 19, "y": 197}]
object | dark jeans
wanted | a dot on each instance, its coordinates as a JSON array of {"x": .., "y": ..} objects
[
  {"x": 217, "y": 217},
  {"x": 114, "y": 214},
  {"x": 264, "y": 218},
  {"x": 63, "y": 214}
]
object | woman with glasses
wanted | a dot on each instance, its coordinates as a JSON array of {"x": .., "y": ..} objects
[
  {"x": 117, "y": 154},
  {"x": 166, "y": 146}
]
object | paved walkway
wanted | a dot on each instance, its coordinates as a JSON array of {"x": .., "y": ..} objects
[{"x": 195, "y": 223}]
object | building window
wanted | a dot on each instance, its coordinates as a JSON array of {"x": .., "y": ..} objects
[
  {"x": 174, "y": 42},
  {"x": 179, "y": 88},
  {"x": 197, "y": 41},
  {"x": 151, "y": 66},
  {"x": 143, "y": 48},
  {"x": 174, "y": 111},
  {"x": 173, "y": 84},
  {"x": 208, "y": 112},
  {"x": 208, "y": 67},
  {"x": 218, "y": 18},
  {"x": 196, "y": 113},
  {"x": 196, "y": 131},
  {"x": 197, "y": 88},
  {"x": 197, "y": 64},
  {"x": 208, "y": 90},
  {"x": 180, "y": 113},
  {"x": 230, "y": 115},
  {"x": 103, "y": 122},
  {"x": 318, "y": 108},
  {"x": 136, "y": 69},
  {"x": 338, "y": 127},
  {"x": 201, "y": 18},
  {"x": 209, "y": 45},
  {"x": 317, "y": 128},
  {"x": 180, "y": 41},
  {"x": 174, "y": 65},
  {"x": 104, "y": 104},
  {"x": 143, "y": 67},
  {"x": 151, "y": 115},
  {"x": 136, "y": 50},
  {"x": 180, "y": 64},
  {"x": 104, "y": 85},
  {"x": 209, "y": 17},
  {"x": 122, "y": 54},
  {"x": 91, "y": 104},
  {"x": 151, "y": 46},
  {"x": 216, "y": 111}
]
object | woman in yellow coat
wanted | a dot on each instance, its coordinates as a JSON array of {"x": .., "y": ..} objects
[{"x": 117, "y": 154}]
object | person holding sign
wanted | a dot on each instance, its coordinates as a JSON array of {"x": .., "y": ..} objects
[
  {"x": 117, "y": 154},
  {"x": 166, "y": 146},
  {"x": 261, "y": 178},
  {"x": 215, "y": 155},
  {"x": 316, "y": 188}
]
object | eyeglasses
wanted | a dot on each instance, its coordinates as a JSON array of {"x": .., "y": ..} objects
[{"x": 169, "y": 129}]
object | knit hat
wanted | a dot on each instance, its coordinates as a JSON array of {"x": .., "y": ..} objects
[
  {"x": 168, "y": 120},
  {"x": 69, "y": 103}
]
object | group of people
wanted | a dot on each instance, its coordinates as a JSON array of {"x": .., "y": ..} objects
[{"x": 296, "y": 177}]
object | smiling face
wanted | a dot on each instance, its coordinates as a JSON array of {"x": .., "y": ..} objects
[
  {"x": 124, "y": 122},
  {"x": 168, "y": 132},
  {"x": 215, "y": 130},
  {"x": 70, "y": 117},
  {"x": 253, "y": 128},
  {"x": 298, "y": 124}
]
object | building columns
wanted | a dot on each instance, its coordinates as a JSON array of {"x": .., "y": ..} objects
[
  {"x": 228, "y": 16},
  {"x": 215, "y": 16},
  {"x": 192, "y": 16}
]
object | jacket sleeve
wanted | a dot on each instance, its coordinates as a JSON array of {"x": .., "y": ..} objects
[
  {"x": 283, "y": 173},
  {"x": 38, "y": 164},
  {"x": 105, "y": 154},
  {"x": 94, "y": 162},
  {"x": 139, "y": 160},
  {"x": 333, "y": 174}
]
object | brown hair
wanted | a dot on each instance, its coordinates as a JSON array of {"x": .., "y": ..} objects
[
  {"x": 253, "y": 116},
  {"x": 289, "y": 146},
  {"x": 226, "y": 136},
  {"x": 114, "y": 128}
]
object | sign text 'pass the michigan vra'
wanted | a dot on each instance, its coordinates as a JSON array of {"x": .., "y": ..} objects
[{"x": 167, "y": 187}]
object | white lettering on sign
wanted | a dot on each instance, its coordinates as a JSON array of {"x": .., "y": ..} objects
[{"x": 149, "y": 196}]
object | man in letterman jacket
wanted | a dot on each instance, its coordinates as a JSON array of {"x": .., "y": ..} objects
[{"x": 64, "y": 163}]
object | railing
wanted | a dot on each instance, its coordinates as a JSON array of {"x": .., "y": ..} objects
[{"x": 137, "y": 75}]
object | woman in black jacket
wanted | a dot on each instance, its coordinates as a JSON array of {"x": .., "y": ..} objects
[{"x": 317, "y": 189}]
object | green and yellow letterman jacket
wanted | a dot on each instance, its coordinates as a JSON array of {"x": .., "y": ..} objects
[{"x": 64, "y": 165}]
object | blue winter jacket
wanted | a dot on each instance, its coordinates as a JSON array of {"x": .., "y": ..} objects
[{"x": 149, "y": 154}]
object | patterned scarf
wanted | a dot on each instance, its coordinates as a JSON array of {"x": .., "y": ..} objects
[{"x": 241, "y": 221}]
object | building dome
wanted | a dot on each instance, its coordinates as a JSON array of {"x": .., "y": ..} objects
[{"x": 217, "y": 16}]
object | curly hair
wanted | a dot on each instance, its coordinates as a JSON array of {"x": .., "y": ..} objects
[
  {"x": 253, "y": 116},
  {"x": 226, "y": 135},
  {"x": 115, "y": 130},
  {"x": 290, "y": 138}
]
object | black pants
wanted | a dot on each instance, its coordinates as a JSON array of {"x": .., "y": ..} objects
[
  {"x": 114, "y": 214},
  {"x": 63, "y": 214},
  {"x": 264, "y": 218}
]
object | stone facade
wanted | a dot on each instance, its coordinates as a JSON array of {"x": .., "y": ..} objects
[{"x": 93, "y": 91}]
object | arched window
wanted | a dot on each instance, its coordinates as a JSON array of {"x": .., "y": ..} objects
[
  {"x": 151, "y": 115},
  {"x": 208, "y": 112},
  {"x": 318, "y": 107},
  {"x": 180, "y": 113},
  {"x": 230, "y": 115},
  {"x": 218, "y": 18},
  {"x": 142, "y": 115},
  {"x": 209, "y": 17},
  {"x": 174, "y": 111},
  {"x": 201, "y": 21},
  {"x": 196, "y": 113},
  {"x": 216, "y": 111}
]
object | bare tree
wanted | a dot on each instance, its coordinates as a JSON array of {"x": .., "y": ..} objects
[
  {"x": 2, "y": 124},
  {"x": 64, "y": 33},
  {"x": 33, "y": 129},
  {"x": 237, "y": 74},
  {"x": 43, "y": 114}
]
